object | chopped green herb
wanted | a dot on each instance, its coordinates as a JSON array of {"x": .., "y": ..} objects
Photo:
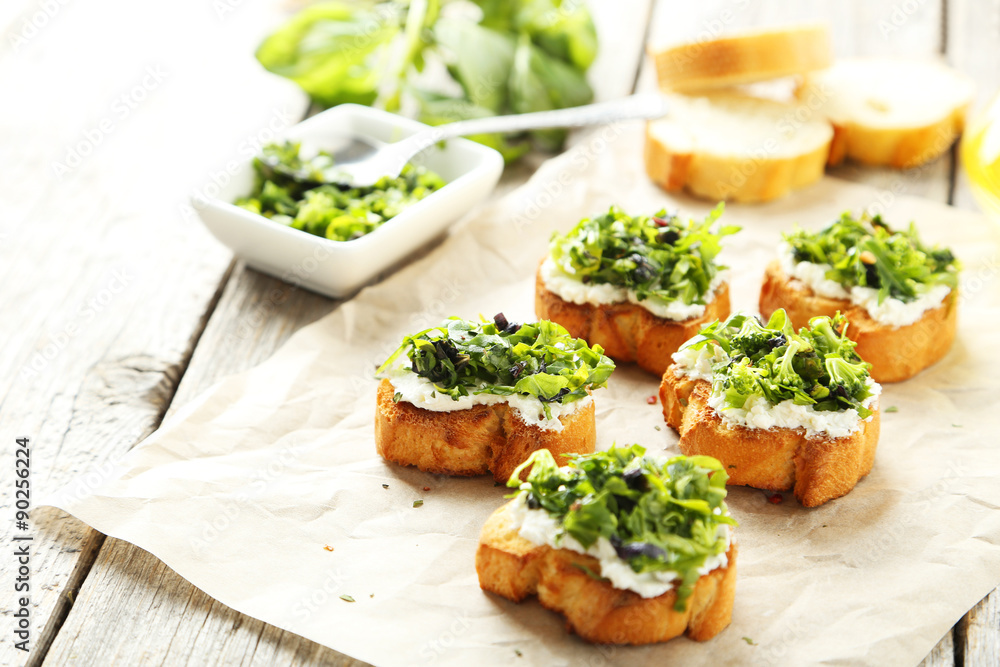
[
  {"x": 396, "y": 397},
  {"x": 385, "y": 486},
  {"x": 957, "y": 425},
  {"x": 749, "y": 641},
  {"x": 659, "y": 515},
  {"x": 306, "y": 194},
  {"x": 540, "y": 359},
  {"x": 866, "y": 252},
  {"x": 659, "y": 256},
  {"x": 891, "y": 408},
  {"x": 816, "y": 366},
  {"x": 517, "y": 652},
  {"x": 346, "y": 598},
  {"x": 418, "y": 503},
  {"x": 658, "y": 428}
]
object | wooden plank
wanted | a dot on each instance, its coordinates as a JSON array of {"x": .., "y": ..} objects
[
  {"x": 973, "y": 46},
  {"x": 105, "y": 286},
  {"x": 858, "y": 28},
  {"x": 943, "y": 655},
  {"x": 973, "y": 34},
  {"x": 132, "y": 608},
  {"x": 979, "y": 632}
]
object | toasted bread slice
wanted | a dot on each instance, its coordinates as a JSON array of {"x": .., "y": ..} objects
[
  {"x": 895, "y": 353},
  {"x": 899, "y": 113},
  {"x": 742, "y": 58},
  {"x": 734, "y": 146},
  {"x": 514, "y": 568},
  {"x": 626, "y": 331},
  {"x": 778, "y": 459},
  {"x": 482, "y": 439}
]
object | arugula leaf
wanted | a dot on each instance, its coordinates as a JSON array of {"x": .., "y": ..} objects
[
  {"x": 657, "y": 256},
  {"x": 540, "y": 359},
  {"x": 659, "y": 515},
  {"x": 866, "y": 252},
  {"x": 815, "y": 366}
]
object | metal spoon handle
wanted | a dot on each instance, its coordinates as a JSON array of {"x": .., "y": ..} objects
[
  {"x": 647, "y": 105},
  {"x": 628, "y": 108}
]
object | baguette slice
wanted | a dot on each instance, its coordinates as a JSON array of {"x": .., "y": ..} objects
[
  {"x": 735, "y": 146},
  {"x": 514, "y": 568},
  {"x": 777, "y": 459},
  {"x": 742, "y": 58},
  {"x": 484, "y": 438},
  {"x": 900, "y": 113},
  {"x": 626, "y": 331},
  {"x": 895, "y": 353}
]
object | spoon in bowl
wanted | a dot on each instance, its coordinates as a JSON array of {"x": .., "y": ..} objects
[{"x": 361, "y": 162}]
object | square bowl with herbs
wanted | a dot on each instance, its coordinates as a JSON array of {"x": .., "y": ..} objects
[{"x": 278, "y": 216}]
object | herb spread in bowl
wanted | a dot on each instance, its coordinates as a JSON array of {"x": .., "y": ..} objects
[
  {"x": 767, "y": 375},
  {"x": 659, "y": 262},
  {"x": 655, "y": 524},
  {"x": 537, "y": 368},
  {"x": 891, "y": 274},
  {"x": 304, "y": 193}
]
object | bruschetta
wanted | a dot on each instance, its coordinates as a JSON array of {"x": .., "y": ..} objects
[
  {"x": 637, "y": 286},
  {"x": 782, "y": 410},
  {"x": 630, "y": 548},
  {"x": 468, "y": 398}
]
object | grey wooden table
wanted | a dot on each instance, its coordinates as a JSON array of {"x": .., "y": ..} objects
[{"x": 116, "y": 307}]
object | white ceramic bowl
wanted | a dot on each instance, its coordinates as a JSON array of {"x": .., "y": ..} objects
[{"x": 339, "y": 268}]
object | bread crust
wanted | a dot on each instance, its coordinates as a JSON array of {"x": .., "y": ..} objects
[
  {"x": 514, "y": 568},
  {"x": 480, "y": 440},
  {"x": 895, "y": 353},
  {"x": 738, "y": 59},
  {"x": 900, "y": 146},
  {"x": 626, "y": 331},
  {"x": 747, "y": 179},
  {"x": 778, "y": 459}
]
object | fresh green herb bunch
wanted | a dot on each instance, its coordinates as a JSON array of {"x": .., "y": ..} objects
[
  {"x": 303, "y": 193},
  {"x": 503, "y": 56},
  {"x": 659, "y": 515},
  {"x": 656, "y": 256},
  {"x": 865, "y": 251},
  {"x": 816, "y": 366},
  {"x": 541, "y": 359}
]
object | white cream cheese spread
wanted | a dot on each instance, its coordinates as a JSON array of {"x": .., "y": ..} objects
[{"x": 569, "y": 288}]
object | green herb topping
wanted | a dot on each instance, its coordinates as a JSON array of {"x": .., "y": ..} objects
[
  {"x": 866, "y": 252},
  {"x": 541, "y": 359},
  {"x": 816, "y": 366},
  {"x": 659, "y": 256},
  {"x": 659, "y": 515},
  {"x": 303, "y": 193}
]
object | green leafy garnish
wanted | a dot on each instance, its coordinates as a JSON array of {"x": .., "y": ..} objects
[
  {"x": 657, "y": 256},
  {"x": 304, "y": 193},
  {"x": 346, "y": 598},
  {"x": 540, "y": 359},
  {"x": 506, "y": 56},
  {"x": 816, "y": 366},
  {"x": 659, "y": 515},
  {"x": 865, "y": 252},
  {"x": 418, "y": 503}
]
